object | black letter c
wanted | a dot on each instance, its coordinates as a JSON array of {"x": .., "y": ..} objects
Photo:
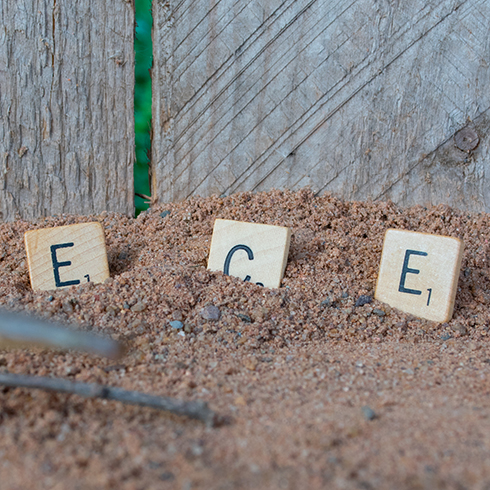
[{"x": 226, "y": 269}]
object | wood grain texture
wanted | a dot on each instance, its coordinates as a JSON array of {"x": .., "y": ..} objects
[
  {"x": 361, "y": 98},
  {"x": 66, "y": 107},
  {"x": 252, "y": 251},
  {"x": 419, "y": 273},
  {"x": 66, "y": 256}
]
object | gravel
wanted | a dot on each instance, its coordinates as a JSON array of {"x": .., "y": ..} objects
[
  {"x": 291, "y": 380},
  {"x": 363, "y": 300},
  {"x": 177, "y": 325},
  {"x": 368, "y": 413},
  {"x": 211, "y": 313}
]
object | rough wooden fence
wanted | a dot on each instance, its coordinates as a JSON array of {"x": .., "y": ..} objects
[
  {"x": 66, "y": 107},
  {"x": 362, "y": 98}
]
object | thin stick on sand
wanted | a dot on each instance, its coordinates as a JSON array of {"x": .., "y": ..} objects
[
  {"x": 198, "y": 410},
  {"x": 24, "y": 331},
  {"x": 18, "y": 330}
]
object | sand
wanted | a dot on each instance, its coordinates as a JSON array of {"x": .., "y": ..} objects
[{"x": 319, "y": 393}]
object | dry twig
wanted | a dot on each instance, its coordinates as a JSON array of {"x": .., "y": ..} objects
[
  {"x": 197, "y": 409},
  {"x": 23, "y": 331}
]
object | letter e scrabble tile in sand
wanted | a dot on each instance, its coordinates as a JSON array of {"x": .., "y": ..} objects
[
  {"x": 419, "y": 273},
  {"x": 255, "y": 252},
  {"x": 66, "y": 255}
]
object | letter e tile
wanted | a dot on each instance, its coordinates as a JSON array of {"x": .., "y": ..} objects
[
  {"x": 419, "y": 273},
  {"x": 66, "y": 256},
  {"x": 255, "y": 252}
]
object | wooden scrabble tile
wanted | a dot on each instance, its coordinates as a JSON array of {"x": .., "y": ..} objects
[
  {"x": 419, "y": 273},
  {"x": 66, "y": 255},
  {"x": 254, "y": 252}
]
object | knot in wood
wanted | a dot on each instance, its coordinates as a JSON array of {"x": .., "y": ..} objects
[{"x": 466, "y": 139}]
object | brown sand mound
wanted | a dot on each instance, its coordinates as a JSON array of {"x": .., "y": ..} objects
[{"x": 322, "y": 393}]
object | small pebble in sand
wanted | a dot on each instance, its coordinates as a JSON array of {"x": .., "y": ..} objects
[
  {"x": 139, "y": 306},
  {"x": 167, "y": 476},
  {"x": 363, "y": 300},
  {"x": 244, "y": 317},
  {"x": 176, "y": 324},
  {"x": 458, "y": 327},
  {"x": 67, "y": 307},
  {"x": 210, "y": 312},
  {"x": 250, "y": 363},
  {"x": 368, "y": 412},
  {"x": 177, "y": 315}
]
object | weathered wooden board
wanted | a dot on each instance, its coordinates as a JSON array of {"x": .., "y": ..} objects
[
  {"x": 66, "y": 107},
  {"x": 361, "y": 98}
]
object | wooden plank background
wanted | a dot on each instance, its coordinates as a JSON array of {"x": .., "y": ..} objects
[
  {"x": 361, "y": 98},
  {"x": 66, "y": 107}
]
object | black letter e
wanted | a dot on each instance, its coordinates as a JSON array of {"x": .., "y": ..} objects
[{"x": 57, "y": 265}]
